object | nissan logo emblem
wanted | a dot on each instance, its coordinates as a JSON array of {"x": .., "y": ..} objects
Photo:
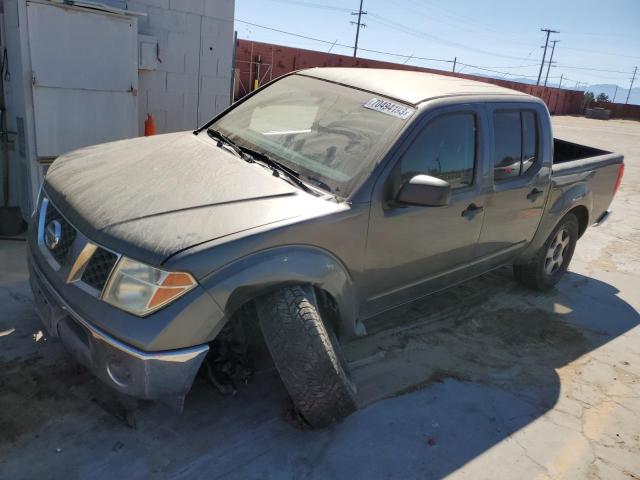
[{"x": 53, "y": 234}]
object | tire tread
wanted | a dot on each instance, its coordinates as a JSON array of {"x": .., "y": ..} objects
[{"x": 306, "y": 357}]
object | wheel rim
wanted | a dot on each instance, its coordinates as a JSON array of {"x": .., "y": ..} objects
[{"x": 557, "y": 252}]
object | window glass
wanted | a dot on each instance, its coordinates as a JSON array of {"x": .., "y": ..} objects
[
  {"x": 529, "y": 140},
  {"x": 319, "y": 129},
  {"x": 445, "y": 149},
  {"x": 508, "y": 145}
]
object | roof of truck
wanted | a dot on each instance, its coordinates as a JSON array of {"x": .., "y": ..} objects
[{"x": 407, "y": 86}]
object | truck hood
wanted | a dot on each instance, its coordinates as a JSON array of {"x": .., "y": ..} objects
[{"x": 152, "y": 197}]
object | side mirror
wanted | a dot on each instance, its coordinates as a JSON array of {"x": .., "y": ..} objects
[{"x": 425, "y": 190}]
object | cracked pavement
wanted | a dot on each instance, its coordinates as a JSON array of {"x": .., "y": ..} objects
[{"x": 484, "y": 381}]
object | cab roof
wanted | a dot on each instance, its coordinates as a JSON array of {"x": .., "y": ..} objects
[{"x": 406, "y": 85}]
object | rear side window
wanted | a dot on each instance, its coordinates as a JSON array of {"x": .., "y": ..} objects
[
  {"x": 529, "y": 140},
  {"x": 516, "y": 143},
  {"x": 444, "y": 149}
]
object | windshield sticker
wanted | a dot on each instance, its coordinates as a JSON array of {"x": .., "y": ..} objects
[{"x": 390, "y": 108}]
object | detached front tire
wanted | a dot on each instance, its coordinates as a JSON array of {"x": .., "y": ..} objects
[
  {"x": 307, "y": 356},
  {"x": 552, "y": 260}
]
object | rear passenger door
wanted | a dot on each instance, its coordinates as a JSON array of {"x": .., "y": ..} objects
[{"x": 521, "y": 177}]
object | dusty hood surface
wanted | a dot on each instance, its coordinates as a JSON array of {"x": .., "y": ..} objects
[{"x": 152, "y": 197}]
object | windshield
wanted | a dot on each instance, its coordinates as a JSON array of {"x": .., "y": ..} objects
[{"x": 330, "y": 134}]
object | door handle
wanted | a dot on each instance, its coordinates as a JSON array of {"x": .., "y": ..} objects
[
  {"x": 533, "y": 194},
  {"x": 471, "y": 211}
]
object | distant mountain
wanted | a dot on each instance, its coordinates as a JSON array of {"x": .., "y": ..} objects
[
  {"x": 620, "y": 95},
  {"x": 609, "y": 89}
]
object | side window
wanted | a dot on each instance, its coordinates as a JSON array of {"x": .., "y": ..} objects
[
  {"x": 508, "y": 145},
  {"x": 516, "y": 143},
  {"x": 444, "y": 149},
  {"x": 529, "y": 140}
]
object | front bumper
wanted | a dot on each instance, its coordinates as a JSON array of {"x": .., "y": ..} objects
[{"x": 148, "y": 375}]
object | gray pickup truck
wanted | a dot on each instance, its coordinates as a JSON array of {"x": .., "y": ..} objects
[{"x": 326, "y": 197}]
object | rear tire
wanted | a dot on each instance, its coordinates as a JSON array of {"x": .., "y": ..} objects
[
  {"x": 548, "y": 266},
  {"x": 307, "y": 356}
]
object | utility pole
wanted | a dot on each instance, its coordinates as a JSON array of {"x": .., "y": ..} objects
[
  {"x": 455, "y": 60},
  {"x": 560, "y": 84},
  {"x": 615, "y": 92},
  {"x": 359, "y": 25},
  {"x": 631, "y": 86},
  {"x": 553, "y": 48},
  {"x": 544, "y": 55}
]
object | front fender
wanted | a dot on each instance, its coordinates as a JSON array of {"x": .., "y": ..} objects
[{"x": 259, "y": 273}]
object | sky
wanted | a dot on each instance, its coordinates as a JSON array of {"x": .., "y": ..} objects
[{"x": 598, "y": 43}]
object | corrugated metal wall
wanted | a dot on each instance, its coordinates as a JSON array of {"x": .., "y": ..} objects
[
  {"x": 264, "y": 61},
  {"x": 619, "y": 110}
]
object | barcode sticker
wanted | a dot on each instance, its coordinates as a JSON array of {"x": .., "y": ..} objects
[{"x": 390, "y": 108}]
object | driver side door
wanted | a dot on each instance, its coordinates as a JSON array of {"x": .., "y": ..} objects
[{"x": 414, "y": 250}]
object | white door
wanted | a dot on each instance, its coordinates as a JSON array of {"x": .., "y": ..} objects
[{"x": 84, "y": 76}]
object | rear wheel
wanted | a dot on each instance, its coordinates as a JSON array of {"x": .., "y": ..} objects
[
  {"x": 552, "y": 260},
  {"x": 307, "y": 356}
]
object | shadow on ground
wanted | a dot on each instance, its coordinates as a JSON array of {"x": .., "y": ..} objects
[{"x": 441, "y": 382}]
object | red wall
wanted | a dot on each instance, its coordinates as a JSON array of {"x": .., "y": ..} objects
[
  {"x": 264, "y": 61},
  {"x": 619, "y": 110}
]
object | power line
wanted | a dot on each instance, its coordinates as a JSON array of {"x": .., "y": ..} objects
[
  {"x": 544, "y": 55},
  {"x": 461, "y": 18},
  {"x": 413, "y": 31},
  {"x": 410, "y": 57},
  {"x": 593, "y": 69},
  {"x": 288, "y": 33},
  {"x": 608, "y": 54},
  {"x": 431, "y": 9},
  {"x": 314, "y": 5},
  {"x": 358, "y": 25},
  {"x": 328, "y": 42},
  {"x": 496, "y": 71},
  {"x": 410, "y": 30}
]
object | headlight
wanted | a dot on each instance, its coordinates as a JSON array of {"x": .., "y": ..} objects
[{"x": 141, "y": 289}]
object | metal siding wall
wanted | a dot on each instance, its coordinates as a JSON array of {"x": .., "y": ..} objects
[
  {"x": 620, "y": 110},
  {"x": 276, "y": 60},
  {"x": 79, "y": 101}
]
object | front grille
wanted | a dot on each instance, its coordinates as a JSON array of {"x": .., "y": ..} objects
[
  {"x": 90, "y": 268},
  {"x": 67, "y": 237},
  {"x": 99, "y": 267}
]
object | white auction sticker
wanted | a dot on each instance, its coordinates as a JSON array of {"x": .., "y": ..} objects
[{"x": 390, "y": 108}]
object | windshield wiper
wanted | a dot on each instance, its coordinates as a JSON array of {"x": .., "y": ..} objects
[
  {"x": 319, "y": 183},
  {"x": 276, "y": 167},
  {"x": 226, "y": 141},
  {"x": 251, "y": 155}
]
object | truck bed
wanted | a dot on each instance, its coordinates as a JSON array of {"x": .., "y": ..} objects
[
  {"x": 564, "y": 151},
  {"x": 597, "y": 170},
  {"x": 571, "y": 157}
]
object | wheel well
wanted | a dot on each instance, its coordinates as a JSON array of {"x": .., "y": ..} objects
[
  {"x": 328, "y": 309},
  {"x": 326, "y": 303},
  {"x": 582, "y": 214}
]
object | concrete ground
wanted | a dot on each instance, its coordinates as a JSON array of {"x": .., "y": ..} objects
[{"x": 485, "y": 381}]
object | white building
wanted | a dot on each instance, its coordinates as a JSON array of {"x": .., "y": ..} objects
[{"x": 90, "y": 72}]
